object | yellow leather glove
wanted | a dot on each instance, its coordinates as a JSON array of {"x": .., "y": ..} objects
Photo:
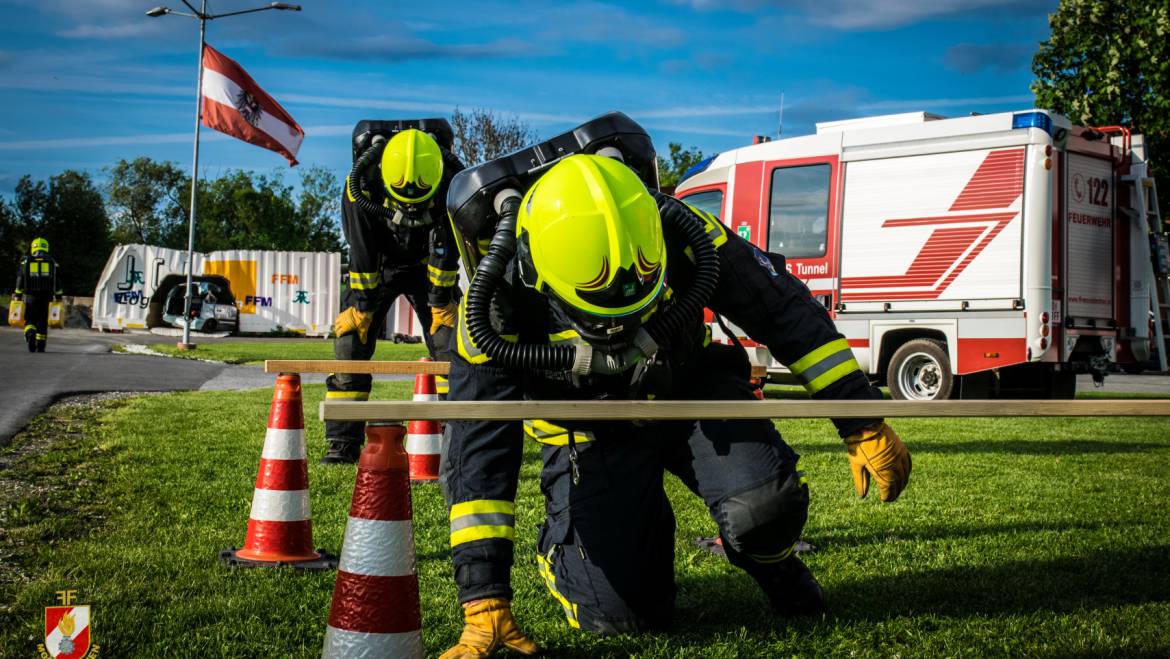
[
  {"x": 879, "y": 453},
  {"x": 488, "y": 626},
  {"x": 444, "y": 316},
  {"x": 351, "y": 320}
]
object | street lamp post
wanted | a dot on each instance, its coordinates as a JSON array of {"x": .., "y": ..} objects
[{"x": 202, "y": 16}]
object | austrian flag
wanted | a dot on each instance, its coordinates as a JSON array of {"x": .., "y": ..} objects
[{"x": 235, "y": 105}]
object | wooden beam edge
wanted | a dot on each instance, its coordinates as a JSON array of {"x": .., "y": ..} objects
[
  {"x": 737, "y": 409},
  {"x": 355, "y": 366}
]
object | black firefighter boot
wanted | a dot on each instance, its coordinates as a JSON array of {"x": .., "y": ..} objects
[
  {"x": 30, "y": 337},
  {"x": 341, "y": 452},
  {"x": 41, "y": 344},
  {"x": 790, "y": 587}
]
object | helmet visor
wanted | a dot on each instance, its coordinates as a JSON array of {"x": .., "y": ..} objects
[{"x": 609, "y": 329}]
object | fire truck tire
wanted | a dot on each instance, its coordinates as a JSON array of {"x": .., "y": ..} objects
[{"x": 920, "y": 370}]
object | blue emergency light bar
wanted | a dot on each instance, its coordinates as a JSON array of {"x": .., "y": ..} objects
[
  {"x": 1033, "y": 120},
  {"x": 697, "y": 168}
]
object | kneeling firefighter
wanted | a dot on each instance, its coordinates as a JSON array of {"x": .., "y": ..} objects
[
  {"x": 36, "y": 285},
  {"x": 400, "y": 243},
  {"x": 593, "y": 287}
]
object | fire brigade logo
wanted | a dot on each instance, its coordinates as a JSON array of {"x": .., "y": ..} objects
[
  {"x": 1078, "y": 187},
  {"x": 979, "y": 214},
  {"x": 68, "y": 632},
  {"x": 248, "y": 108}
]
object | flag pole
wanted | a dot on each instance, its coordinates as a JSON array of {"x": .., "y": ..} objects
[{"x": 186, "y": 344}]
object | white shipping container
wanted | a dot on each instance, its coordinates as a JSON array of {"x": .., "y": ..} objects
[{"x": 293, "y": 291}]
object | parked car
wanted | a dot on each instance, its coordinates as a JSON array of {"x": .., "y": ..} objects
[{"x": 208, "y": 312}]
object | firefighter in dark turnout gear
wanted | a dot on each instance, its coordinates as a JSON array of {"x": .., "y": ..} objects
[
  {"x": 399, "y": 244},
  {"x": 36, "y": 284},
  {"x": 607, "y": 283}
]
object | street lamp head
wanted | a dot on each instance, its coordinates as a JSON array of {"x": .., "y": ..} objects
[
  {"x": 157, "y": 11},
  {"x": 285, "y": 6}
]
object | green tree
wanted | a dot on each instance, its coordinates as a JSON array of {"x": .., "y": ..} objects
[
  {"x": 243, "y": 210},
  {"x": 145, "y": 200},
  {"x": 1108, "y": 62},
  {"x": 76, "y": 225},
  {"x": 12, "y": 245},
  {"x": 670, "y": 170},
  {"x": 319, "y": 209},
  {"x": 70, "y": 213}
]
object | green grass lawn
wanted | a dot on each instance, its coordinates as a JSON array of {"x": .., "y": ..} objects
[
  {"x": 1017, "y": 537},
  {"x": 247, "y": 352}
]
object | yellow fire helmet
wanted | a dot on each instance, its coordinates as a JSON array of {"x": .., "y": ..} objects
[
  {"x": 590, "y": 237},
  {"x": 412, "y": 166},
  {"x": 39, "y": 245}
]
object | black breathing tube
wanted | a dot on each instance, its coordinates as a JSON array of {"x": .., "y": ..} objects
[
  {"x": 483, "y": 285},
  {"x": 360, "y": 166},
  {"x": 563, "y": 358},
  {"x": 690, "y": 304}
]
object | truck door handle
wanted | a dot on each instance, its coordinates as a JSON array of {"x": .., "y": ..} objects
[{"x": 826, "y": 299}]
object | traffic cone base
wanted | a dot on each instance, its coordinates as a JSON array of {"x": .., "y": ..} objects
[
  {"x": 280, "y": 528},
  {"x": 363, "y": 645},
  {"x": 424, "y": 449}
]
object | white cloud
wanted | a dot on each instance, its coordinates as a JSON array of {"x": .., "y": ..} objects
[
  {"x": 858, "y": 15},
  {"x": 945, "y": 102},
  {"x": 729, "y": 110},
  {"x": 119, "y": 31},
  {"x": 207, "y": 135}
]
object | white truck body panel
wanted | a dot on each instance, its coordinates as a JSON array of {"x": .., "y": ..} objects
[{"x": 948, "y": 228}]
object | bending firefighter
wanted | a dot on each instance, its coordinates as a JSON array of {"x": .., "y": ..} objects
[
  {"x": 36, "y": 285},
  {"x": 399, "y": 244},
  {"x": 594, "y": 287}
]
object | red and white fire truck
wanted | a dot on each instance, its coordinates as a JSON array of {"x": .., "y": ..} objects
[{"x": 996, "y": 254}]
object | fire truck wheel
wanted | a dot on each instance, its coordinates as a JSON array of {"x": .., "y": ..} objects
[{"x": 920, "y": 370}]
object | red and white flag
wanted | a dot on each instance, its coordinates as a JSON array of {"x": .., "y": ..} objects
[{"x": 235, "y": 105}]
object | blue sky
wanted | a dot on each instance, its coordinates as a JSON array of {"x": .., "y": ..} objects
[{"x": 85, "y": 82}]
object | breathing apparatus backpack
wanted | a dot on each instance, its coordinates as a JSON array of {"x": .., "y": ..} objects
[
  {"x": 483, "y": 203},
  {"x": 367, "y": 129},
  {"x": 370, "y": 137}
]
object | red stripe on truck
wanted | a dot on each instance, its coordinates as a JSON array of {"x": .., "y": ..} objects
[{"x": 982, "y": 354}]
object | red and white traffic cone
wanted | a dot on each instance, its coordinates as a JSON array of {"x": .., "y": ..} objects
[
  {"x": 280, "y": 526},
  {"x": 424, "y": 439},
  {"x": 375, "y": 610}
]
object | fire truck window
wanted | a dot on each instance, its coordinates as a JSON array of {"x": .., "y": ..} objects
[
  {"x": 798, "y": 218},
  {"x": 710, "y": 201}
]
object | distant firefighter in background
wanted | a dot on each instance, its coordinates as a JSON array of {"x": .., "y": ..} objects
[
  {"x": 400, "y": 243},
  {"x": 36, "y": 286}
]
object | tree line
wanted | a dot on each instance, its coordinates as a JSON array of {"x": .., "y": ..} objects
[{"x": 147, "y": 201}]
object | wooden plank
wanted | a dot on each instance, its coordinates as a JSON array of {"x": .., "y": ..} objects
[
  {"x": 354, "y": 366},
  {"x": 627, "y": 410},
  {"x": 382, "y": 367}
]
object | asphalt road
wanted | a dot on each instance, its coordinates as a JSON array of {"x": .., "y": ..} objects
[{"x": 81, "y": 361}]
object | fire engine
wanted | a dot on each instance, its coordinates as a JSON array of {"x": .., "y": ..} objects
[{"x": 989, "y": 255}]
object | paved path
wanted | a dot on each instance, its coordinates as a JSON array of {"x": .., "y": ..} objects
[{"x": 81, "y": 361}]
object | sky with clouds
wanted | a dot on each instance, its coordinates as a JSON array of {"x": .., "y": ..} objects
[{"x": 86, "y": 82}]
